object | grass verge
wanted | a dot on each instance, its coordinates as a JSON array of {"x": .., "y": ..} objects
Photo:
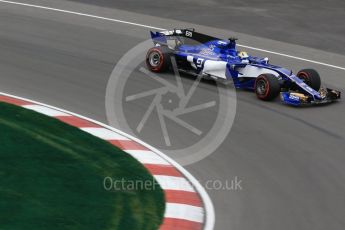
[{"x": 52, "y": 177}]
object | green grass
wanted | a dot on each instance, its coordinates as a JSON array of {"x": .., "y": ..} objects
[{"x": 51, "y": 177}]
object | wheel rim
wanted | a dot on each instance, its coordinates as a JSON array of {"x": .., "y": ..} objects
[
  {"x": 261, "y": 87},
  {"x": 304, "y": 77},
  {"x": 155, "y": 59}
]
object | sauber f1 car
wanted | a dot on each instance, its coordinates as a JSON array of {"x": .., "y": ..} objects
[{"x": 213, "y": 58}]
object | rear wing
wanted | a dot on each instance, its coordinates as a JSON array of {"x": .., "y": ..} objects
[{"x": 161, "y": 37}]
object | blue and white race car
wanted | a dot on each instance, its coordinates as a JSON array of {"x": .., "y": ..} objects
[{"x": 213, "y": 58}]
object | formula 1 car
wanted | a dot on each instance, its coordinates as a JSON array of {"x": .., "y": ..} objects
[{"x": 213, "y": 58}]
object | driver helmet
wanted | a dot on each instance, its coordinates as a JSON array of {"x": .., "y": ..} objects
[{"x": 243, "y": 55}]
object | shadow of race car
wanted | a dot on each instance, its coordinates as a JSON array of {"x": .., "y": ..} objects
[{"x": 213, "y": 58}]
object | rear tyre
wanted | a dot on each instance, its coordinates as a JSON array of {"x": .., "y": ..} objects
[
  {"x": 267, "y": 87},
  {"x": 158, "y": 59},
  {"x": 310, "y": 77}
]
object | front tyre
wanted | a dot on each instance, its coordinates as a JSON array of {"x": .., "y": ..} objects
[
  {"x": 157, "y": 59},
  {"x": 310, "y": 77},
  {"x": 267, "y": 87}
]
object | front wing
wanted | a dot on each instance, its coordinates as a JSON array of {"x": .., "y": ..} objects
[{"x": 301, "y": 99}]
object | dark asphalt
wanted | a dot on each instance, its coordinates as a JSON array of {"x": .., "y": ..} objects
[
  {"x": 291, "y": 160},
  {"x": 313, "y": 23}
]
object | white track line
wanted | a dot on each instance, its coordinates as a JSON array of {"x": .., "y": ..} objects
[
  {"x": 80, "y": 14},
  {"x": 158, "y": 28},
  {"x": 294, "y": 57},
  {"x": 44, "y": 110}
]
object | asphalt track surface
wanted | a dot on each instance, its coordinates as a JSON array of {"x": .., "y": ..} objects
[
  {"x": 291, "y": 160},
  {"x": 312, "y": 23}
]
